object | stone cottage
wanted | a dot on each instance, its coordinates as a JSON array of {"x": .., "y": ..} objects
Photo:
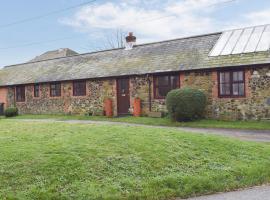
[{"x": 231, "y": 67}]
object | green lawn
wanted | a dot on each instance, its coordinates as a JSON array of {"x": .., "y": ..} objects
[
  {"x": 206, "y": 123},
  {"x": 79, "y": 161}
]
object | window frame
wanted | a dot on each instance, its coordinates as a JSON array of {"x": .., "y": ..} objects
[
  {"x": 231, "y": 82},
  {"x": 79, "y": 92},
  {"x": 60, "y": 89},
  {"x": 38, "y": 90},
  {"x": 17, "y": 89},
  {"x": 155, "y": 78}
]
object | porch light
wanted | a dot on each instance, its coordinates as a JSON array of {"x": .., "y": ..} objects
[
  {"x": 255, "y": 75},
  {"x": 268, "y": 73}
]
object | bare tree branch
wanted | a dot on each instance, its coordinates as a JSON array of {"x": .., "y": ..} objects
[{"x": 112, "y": 40}]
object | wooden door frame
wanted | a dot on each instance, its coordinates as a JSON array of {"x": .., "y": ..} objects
[{"x": 117, "y": 94}]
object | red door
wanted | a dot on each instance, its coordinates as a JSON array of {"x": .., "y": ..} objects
[{"x": 123, "y": 100}]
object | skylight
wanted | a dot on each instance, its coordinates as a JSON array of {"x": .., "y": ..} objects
[{"x": 246, "y": 40}]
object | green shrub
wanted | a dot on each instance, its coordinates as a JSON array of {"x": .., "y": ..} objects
[
  {"x": 185, "y": 104},
  {"x": 11, "y": 112}
]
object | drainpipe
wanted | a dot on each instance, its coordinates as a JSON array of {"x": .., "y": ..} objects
[
  {"x": 149, "y": 93},
  {"x": 14, "y": 95}
]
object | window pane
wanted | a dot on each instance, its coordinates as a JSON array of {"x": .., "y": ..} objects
[
  {"x": 222, "y": 89},
  {"x": 238, "y": 76},
  {"x": 235, "y": 76},
  {"x": 236, "y": 89},
  {"x": 162, "y": 91},
  {"x": 36, "y": 90},
  {"x": 163, "y": 80},
  {"x": 55, "y": 89},
  {"x": 225, "y": 89},
  {"x": 227, "y": 77},
  {"x": 20, "y": 93},
  {"x": 224, "y": 77},
  {"x": 241, "y": 89},
  {"x": 175, "y": 82},
  {"x": 58, "y": 90},
  {"x": 164, "y": 84},
  {"x": 80, "y": 88}
]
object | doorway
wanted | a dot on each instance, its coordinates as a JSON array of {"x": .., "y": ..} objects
[{"x": 123, "y": 97}]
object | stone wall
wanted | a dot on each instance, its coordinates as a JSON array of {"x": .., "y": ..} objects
[
  {"x": 139, "y": 88},
  {"x": 256, "y": 104},
  {"x": 92, "y": 103}
]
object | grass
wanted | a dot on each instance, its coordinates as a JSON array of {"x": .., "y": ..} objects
[
  {"x": 42, "y": 160},
  {"x": 205, "y": 123}
]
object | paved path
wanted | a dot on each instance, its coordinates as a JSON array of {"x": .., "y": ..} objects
[
  {"x": 256, "y": 193},
  {"x": 251, "y": 135}
]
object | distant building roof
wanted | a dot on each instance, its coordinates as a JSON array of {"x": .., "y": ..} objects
[
  {"x": 59, "y": 53},
  {"x": 182, "y": 54}
]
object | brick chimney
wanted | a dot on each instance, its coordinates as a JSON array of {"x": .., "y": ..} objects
[{"x": 130, "y": 41}]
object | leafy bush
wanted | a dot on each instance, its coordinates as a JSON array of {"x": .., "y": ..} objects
[
  {"x": 11, "y": 112},
  {"x": 185, "y": 104}
]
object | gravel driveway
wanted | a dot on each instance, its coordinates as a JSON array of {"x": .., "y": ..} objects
[{"x": 256, "y": 193}]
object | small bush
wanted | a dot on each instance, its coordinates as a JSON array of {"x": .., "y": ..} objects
[
  {"x": 11, "y": 112},
  {"x": 185, "y": 104}
]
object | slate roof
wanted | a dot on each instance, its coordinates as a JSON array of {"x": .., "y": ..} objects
[
  {"x": 63, "y": 52},
  {"x": 175, "y": 55}
]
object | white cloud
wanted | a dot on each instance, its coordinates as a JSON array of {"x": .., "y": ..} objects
[
  {"x": 170, "y": 19},
  {"x": 259, "y": 17}
]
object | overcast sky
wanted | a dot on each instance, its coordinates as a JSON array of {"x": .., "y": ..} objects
[{"x": 85, "y": 28}]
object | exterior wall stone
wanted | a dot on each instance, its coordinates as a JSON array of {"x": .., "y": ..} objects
[
  {"x": 202, "y": 81},
  {"x": 256, "y": 104},
  {"x": 92, "y": 103},
  {"x": 253, "y": 106},
  {"x": 139, "y": 88}
]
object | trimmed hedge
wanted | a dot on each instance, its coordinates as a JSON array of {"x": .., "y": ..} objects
[
  {"x": 186, "y": 104},
  {"x": 11, "y": 112}
]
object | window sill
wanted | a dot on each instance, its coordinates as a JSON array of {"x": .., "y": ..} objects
[
  {"x": 55, "y": 97},
  {"x": 79, "y": 96},
  {"x": 160, "y": 98},
  {"x": 232, "y": 97}
]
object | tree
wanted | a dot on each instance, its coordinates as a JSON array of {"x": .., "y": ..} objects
[
  {"x": 115, "y": 39},
  {"x": 112, "y": 40}
]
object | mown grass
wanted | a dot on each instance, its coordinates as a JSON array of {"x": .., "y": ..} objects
[
  {"x": 205, "y": 123},
  {"x": 79, "y": 161}
]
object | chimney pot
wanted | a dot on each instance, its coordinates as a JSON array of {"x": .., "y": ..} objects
[
  {"x": 130, "y": 38},
  {"x": 130, "y": 41}
]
